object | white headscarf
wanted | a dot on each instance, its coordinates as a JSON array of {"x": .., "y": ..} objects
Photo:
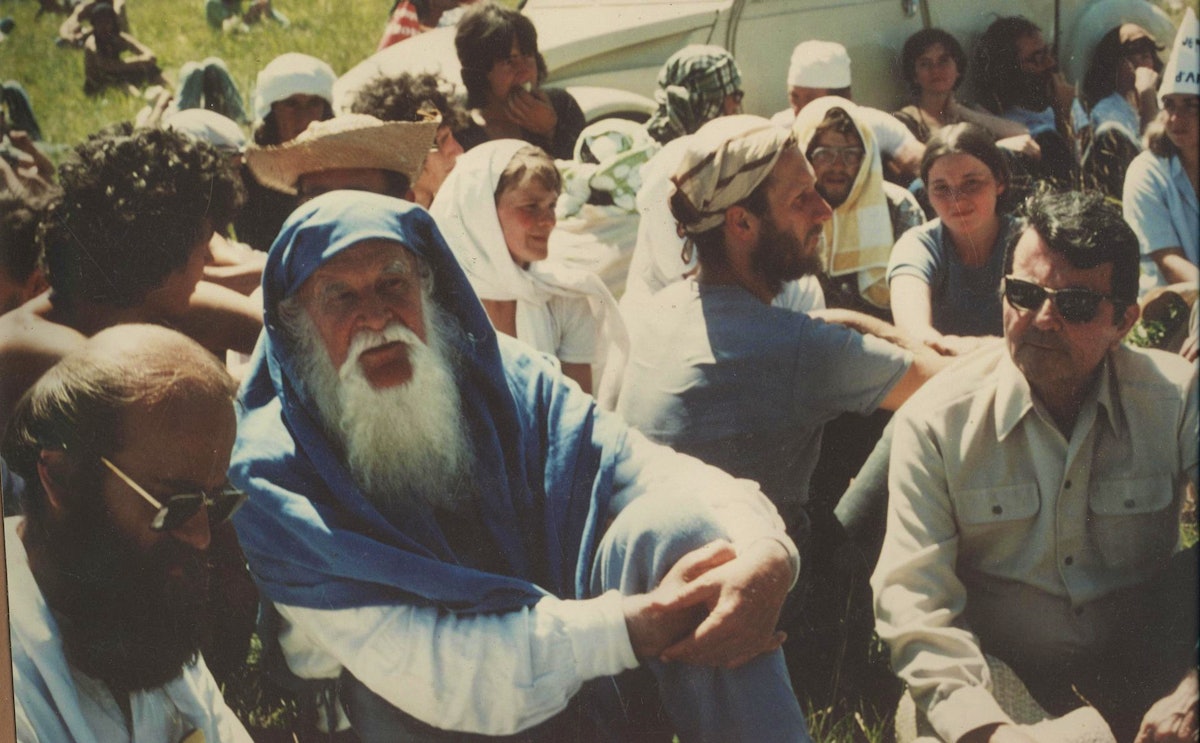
[
  {"x": 465, "y": 211},
  {"x": 291, "y": 74}
]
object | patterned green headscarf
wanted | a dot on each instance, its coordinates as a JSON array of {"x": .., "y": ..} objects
[{"x": 692, "y": 87}]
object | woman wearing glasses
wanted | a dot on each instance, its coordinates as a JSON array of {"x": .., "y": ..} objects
[
  {"x": 503, "y": 71},
  {"x": 944, "y": 275}
]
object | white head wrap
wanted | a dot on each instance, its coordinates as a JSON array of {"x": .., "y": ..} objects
[
  {"x": 465, "y": 211},
  {"x": 220, "y": 131},
  {"x": 724, "y": 161},
  {"x": 288, "y": 75},
  {"x": 819, "y": 64}
]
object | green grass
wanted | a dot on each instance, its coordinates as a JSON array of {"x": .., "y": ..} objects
[{"x": 341, "y": 32}]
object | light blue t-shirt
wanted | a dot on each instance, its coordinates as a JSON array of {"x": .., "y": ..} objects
[
  {"x": 746, "y": 387},
  {"x": 965, "y": 299},
  {"x": 1160, "y": 205}
]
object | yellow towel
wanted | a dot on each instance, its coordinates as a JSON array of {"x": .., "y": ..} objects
[{"x": 858, "y": 239}]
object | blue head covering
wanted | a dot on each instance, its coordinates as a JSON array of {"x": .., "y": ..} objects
[{"x": 544, "y": 458}]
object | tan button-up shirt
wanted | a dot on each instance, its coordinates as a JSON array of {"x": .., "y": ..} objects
[{"x": 999, "y": 526}]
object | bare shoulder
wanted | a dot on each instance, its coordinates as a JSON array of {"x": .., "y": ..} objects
[
  {"x": 25, "y": 333},
  {"x": 29, "y": 345},
  {"x": 221, "y": 319}
]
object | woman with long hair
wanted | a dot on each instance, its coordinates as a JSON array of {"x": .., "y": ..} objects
[
  {"x": 1116, "y": 102},
  {"x": 1160, "y": 195},
  {"x": 944, "y": 275}
]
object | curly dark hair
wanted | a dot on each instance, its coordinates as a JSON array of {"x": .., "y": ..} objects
[
  {"x": 999, "y": 80},
  {"x": 484, "y": 37},
  {"x": 134, "y": 204},
  {"x": 401, "y": 98}
]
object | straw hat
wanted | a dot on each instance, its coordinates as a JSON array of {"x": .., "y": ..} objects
[{"x": 347, "y": 141}]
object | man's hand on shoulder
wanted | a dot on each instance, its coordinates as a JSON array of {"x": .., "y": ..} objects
[{"x": 1173, "y": 718}]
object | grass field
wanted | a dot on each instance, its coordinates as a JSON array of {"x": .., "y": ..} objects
[{"x": 341, "y": 32}]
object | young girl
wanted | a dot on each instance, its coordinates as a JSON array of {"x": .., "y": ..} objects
[
  {"x": 496, "y": 211},
  {"x": 944, "y": 275}
]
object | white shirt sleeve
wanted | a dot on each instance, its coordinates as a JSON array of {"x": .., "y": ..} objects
[
  {"x": 577, "y": 329},
  {"x": 890, "y": 132},
  {"x": 493, "y": 674},
  {"x": 1144, "y": 200},
  {"x": 497, "y": 674}
]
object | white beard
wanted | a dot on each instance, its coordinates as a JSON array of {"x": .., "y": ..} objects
[{"x": 404, "y": 443}]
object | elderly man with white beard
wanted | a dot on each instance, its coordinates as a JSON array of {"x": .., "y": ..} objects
[{"x": 454, "y": 533}]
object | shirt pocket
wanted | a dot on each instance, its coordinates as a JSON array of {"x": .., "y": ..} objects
[
  {"x": 983, "y": 508},
  {"x": 1132, "y": 521}
]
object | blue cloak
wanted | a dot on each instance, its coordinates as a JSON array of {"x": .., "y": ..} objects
[{"x": 545, "y": 456}]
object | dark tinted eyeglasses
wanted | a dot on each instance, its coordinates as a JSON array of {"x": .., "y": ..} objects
[
  {"x": 851, "y": 156},
  {"x": 181, "y": 507},
  {"x": 1076, "y": 305}
]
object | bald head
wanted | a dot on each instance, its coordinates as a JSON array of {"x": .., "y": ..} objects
[{"x": 81, "y": 402}]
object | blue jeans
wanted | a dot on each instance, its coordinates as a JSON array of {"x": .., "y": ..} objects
[
  {"x": 208, "y": 84},
  {"x": 18, "y": 110},
  {"x": 700, "y": 704}
]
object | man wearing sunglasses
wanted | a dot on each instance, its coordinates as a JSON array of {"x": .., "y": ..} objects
[
  {"x": 123, "y": 446},
  {"x": 1034, "y": 510}
]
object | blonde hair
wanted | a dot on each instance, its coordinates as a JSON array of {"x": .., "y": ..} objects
[{"x": 530, "y": 162}]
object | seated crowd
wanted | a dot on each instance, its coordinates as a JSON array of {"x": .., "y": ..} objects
[{"x": 328, "y": 382}]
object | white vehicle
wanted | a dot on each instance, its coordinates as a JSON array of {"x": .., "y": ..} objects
[{"x": 608, "y": 52}]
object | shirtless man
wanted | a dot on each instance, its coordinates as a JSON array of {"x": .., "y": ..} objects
[{"x": 126, "y": 243}]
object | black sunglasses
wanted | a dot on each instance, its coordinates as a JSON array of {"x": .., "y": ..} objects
[
  {"x": 181, "y": 507},
  {"x": 1076, "y": 305}
]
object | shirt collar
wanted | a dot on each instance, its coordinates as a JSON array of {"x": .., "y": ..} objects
[{"x": 1014, "y": 398}]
